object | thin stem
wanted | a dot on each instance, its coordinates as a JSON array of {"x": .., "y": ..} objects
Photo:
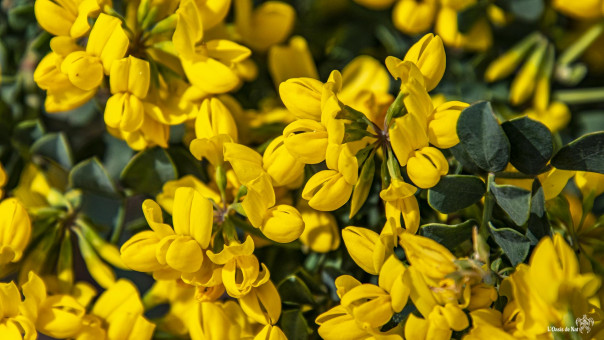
[
  {"x": 579, "y": 46},
  {"x": 580, "y": 96},
  {"x": 489, "y": 202}
]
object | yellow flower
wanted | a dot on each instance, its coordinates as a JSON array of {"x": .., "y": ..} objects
[
  {"x": 214, "y": 118},
  {"x": 15, "y": 230},
  {"x": 429, "y": 56},
  {"x": 433, "y": 260},
  {"x": 524, "y": 83},
  {"x": 556, "y": 116},
  {"x": 413, "y": 17},
  {"x": 270, "y": 332},
  {"x": 129, "y": 81},
  {"x": 328, "y": 190},
  {"x": 541, "y": 293},
  {"x": 14, "y": 324},
  {"x": 587, "y": 9},
  {"x": 209, "y": 65},
  {"x": 442, "y": 125},
  {"x": 590, "y": 183},
  {"x": 67, "y": 17},
  {"x": 368, "y": 249},
  {"x": 172, "y": 252},
  {"x": 293, "y": 60},
  {"x": 306, "y": 139},
  {"x": 262, "y": 304},
  {"x": 283, "y": 168},
  {"x": 399, "y": 201},
  {"x": 321, "y": 233},
  {"x": 166, "y": 197},
  {"x": 302, "y": 97},
  {"x": 209, "y": 321},
  {"x": 241, "y": 270},
  {"x": 478, "y": 38},
  {"x": 107, "y": 43},
  {"x": 267, "y": 25},
  {"x": 410, "y": 142}
]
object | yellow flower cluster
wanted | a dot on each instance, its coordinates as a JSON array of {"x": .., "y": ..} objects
[{"x": 235, "y": 217}]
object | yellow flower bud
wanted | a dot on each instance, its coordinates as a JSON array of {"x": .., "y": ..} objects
[
  {"x": 327, "y": 190},
  {"x": 321, "y": 231},
  {"x": 368, "y": 249},
  {"x": 166, "y": 197},
  {"x": 291, "y": 61},
  {"x": 426, "y": 167},
  {"x": 429, "y": 56},
  {"x": 283, "y": 168},
  {"x": 523, "y": 84},
  {"x": 262, "y": 304},
  {"x": 413, "y": 17},
  {"x": 283, "y": 224},
  {"x": 60, "y": 316},
  {"x": 509, "y": 61},
  {"x": 479, "y": 38},
  {"x": 586, "y": 9},
  {"x": 302, "y": 97},
  {"x": 15, "y": 230},
  {"x": 432, "y": 259},
  {"x": 270, "y": 332},
  {"x": 442, "y": 128},
  {"x": 214, "y": 118},
  {"x": 267, "y": 25},
  {"x": 370, "y": 305}
]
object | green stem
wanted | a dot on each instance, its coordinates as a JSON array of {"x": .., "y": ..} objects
[
  {"x": 489, "y": 202},
  {"x": 394, "y": 108},
  {"x": 580, "y": 96},
  {"x": 579, "y": 46},
  {"x": 119, "y": 227}
]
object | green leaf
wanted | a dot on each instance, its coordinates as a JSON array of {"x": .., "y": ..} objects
[
  {"x": 526, "y": 10},
  {"x": 294, "y": 325},
  {"x": 585, "y": 153},
  {"x": 54, "y": 146},
  {"x": 514, "y": 201},
  {"x": 449, "y": 236},
  {"x": 27, "y": 132},
  {"x": 531, "y": 144},
  {"x": 455, "y": 192},
  {"x": 361, "y": 188},
  {"x": 514, "y": 245},
  {"x": 91, "y": 175},
  {"x": 294, "y": 291},
  {"x": 148, "y": 170},
  {"x": 482, "y": 138},
  {"x": 538, "y": 223}
]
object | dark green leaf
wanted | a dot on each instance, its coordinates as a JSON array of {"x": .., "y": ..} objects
[
  {"x": 514, "y": 201},
  {"x": 449, "y": 236},
  {"x": 455, "y": 192},
  {"x": 586, "y": 153},
  {"x": 531, "y": 144},
  {"x": 91, "y": 175},
  {"x": 148, "y": 170},
  {"x": 526, "y": 10},
  {"x": 27, "y": 132},
  {"x": 294, "y": 325},
  {"x": 538, "y": 223},
  {"x": 514, "y": 244},
  {"x": 482, "y": 138},
  {"x": 293, "y": 290},
  {"x": 54, "y": 146}
]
